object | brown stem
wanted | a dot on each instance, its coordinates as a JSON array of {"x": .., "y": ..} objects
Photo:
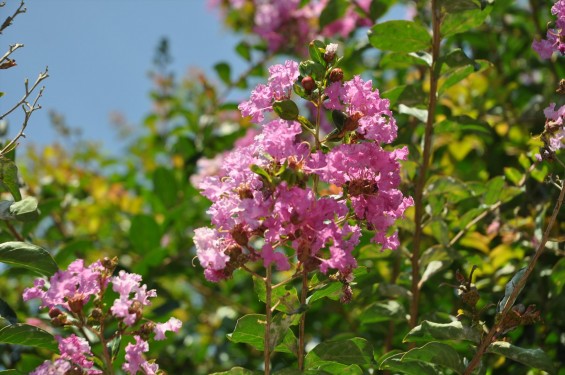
[
  {"x": 14, "y": 232},
  {"x": 269, "y": 318},
  {"x": 517, "y": 289},
  {"x": 302, "y": 324},
  {"x": 420, "y": 182}
]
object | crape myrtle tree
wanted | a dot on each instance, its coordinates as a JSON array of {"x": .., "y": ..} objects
[{"x": 383, "y": 197}]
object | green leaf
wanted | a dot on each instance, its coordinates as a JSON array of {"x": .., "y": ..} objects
[
  {"x": 382, "y": 312},
  {"x": 331, "y": 368},
  {"x": 224, "y": 72},
  {"x": 287, "y": 296},
  {"x": 9, "y": 177},
  {"x": 454, "y": 6},
  {"x": 432, "y": 268},
  {"x": 558, "y": 275},
  {"x": 513, "y": 175},
  {"x": 286, "y": 109},
  {"x": 453, "y": 189},
  {"x": 261, "y": 172},
  {"x": 27, "y": 335},
  {"x": 165, "y": 186},
  {"x": 440, "y": 231},
  {"x": 144, "y": 233},
  {"x": 24, "y": 210},
  {"x": 420, "y": 114},
  {"x": 456, "y": 75},
  {"x": 237, "y": 371},
  {"x": 400, "y": 36},
  {"x": 436, "y": 353},
  {"x": 332, "y": 290},
  {"x": 243, "y": 49},
  {"x": 26, "y": 255},
  {"x": 428, "y": 331},
  {"x": 7, "y": 314},
  {"x": 355, "y": 351},
  {"x": 463, "y": 18},
  {"x": 316, "y": 50},
  {"x": 494, "y": 189},
  {"x": 394, "y": 363},
  {"x": 313, "y": 69},
  {"x": 401, "y": 60},
  {"x": 535, "y": 358},
  {"x": 509, "y": 289},
  {"x": 250, "y": 329},
  {"x": 332, "y": 12},
  {"x": 11, "y": 372}
]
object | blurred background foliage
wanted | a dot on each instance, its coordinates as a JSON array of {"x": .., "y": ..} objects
[{"x": 142, "y": 205}]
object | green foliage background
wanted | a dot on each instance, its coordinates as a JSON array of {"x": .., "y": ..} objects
[{"x": 142, "y": 206}]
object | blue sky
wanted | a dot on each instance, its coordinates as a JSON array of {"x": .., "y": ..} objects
[{"x": 99, "y": 53}]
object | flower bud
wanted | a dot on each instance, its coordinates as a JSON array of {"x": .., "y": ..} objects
[
  {"x": 331, "y": 50},
  {"x": 336, "y": 75},
  {"x": 239, "y": 235},
  {"x": 54, "y": 312},
  {"x": 76, "y": 304},
  {"x": 146, "y": 330},
  {"x": 308, "y": 83},
  {"x": 59, "y": 320}
]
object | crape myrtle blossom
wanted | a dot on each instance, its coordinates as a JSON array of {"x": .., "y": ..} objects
[
  {"x": 134, "y": 358},
  {"x": 74, "y": 298},
  {"x": 555, "y": 37},
  {"x": 281, "y": 79},
  {"x": 262, "y": 205},
  {"x": 553, "y": 136},
  {"x": 74, "y": 286},
  {"x": 290, "y": 25},
  {"x": 370, "y": 175},
  {"x": 74, "y": 356}
]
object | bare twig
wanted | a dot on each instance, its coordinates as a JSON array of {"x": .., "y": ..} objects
[
  {"x": 487, "y": 340},
  {"x": 10, "y": 19},
  {"x": 12, "y": 48},
  {"x": 27, "y": 108}
]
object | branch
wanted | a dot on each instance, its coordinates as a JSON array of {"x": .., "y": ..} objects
[
  {"x": 10, "y": 19},
  {"x": 27, "y": 108},
  {"x": 517, "y": 288},
  {"x": 421, "y": 180},
  {"x": 12, "y": 48}
]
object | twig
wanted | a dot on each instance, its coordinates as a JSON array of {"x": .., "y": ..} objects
[
  {"x": 302, "y": 323},
  {"x": 268, "y": 316},
  {"x": 14, "y": 232},
  {"x": 28, "y": 92},
  {"x": 420, "y": 182},
  {"x": 517, "y": 288},
  {"x": 10, "y": 19},
  {"x": 12, "y": 48}
]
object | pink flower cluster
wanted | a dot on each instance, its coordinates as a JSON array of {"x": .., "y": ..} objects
[
  {"x": 281, "y": 79},
  {"x": 71, "y": 290},
  {"x": 262, "y": 206},
  {"x": 286, "y": 24},
  {"x": 554, "y": 133},
  {"x": 74, "y": 358},
  {"x": 555, "y": 37}
]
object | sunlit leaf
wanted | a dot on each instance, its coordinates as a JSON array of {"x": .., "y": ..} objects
[{"x": 400, "y": 36}]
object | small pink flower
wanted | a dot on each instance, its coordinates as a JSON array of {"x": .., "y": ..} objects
[{"x": 173, "y": 325}]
